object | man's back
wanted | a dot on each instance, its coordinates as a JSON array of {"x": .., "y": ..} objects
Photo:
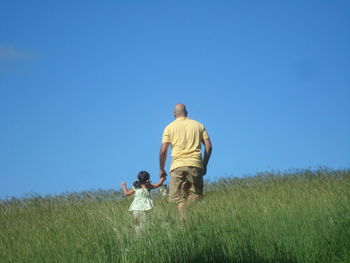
[{"x": 185, "y": 136}]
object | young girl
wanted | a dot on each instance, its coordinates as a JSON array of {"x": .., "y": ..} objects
[{"x": 142, "y": 201}]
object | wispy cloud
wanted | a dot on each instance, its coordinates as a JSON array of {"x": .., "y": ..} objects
[{"x": 9, "y": 52}]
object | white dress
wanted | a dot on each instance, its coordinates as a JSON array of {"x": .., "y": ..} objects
[{"x": 142, "y": 200}]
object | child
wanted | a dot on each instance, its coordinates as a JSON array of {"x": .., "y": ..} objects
[{"x": 142, "y": 201}]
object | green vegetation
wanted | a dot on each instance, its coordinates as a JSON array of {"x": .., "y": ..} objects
[{"x": 298, "y": 216}]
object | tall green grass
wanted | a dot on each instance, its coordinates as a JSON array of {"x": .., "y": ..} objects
[{"x": 300, "y": 216}]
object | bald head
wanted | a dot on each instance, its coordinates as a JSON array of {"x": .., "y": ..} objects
[{"x": 180, "y": 110}]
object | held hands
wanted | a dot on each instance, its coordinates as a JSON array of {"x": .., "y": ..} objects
[{"x": 162, "y": 174}]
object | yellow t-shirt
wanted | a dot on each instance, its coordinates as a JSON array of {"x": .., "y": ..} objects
[{"x": 185, "y": 136}]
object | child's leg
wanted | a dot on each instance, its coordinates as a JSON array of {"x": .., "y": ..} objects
[
  {"x": 143, "y": 218},
  {"x": 136, "y": 216},
  {"x": 139, "y": 219}
]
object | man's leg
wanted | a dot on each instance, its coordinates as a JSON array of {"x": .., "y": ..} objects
[
  {"x": 178, "y": 190},
  {"x": 195, "y": 183},
  {"x": 182, "y": 211},
  {"x": 186, "y": 186},
  {"x": 192, "y": 198}
]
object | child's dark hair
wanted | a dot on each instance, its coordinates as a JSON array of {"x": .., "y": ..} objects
[{"x": 143, "y": 179}]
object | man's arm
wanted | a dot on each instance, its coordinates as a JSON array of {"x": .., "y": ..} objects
[
  {"x": 207, "y": 153},
  {"x": 162, "y": 158}
]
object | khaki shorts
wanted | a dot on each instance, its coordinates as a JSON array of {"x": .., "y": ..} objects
[{"x": 184, "y": 182}]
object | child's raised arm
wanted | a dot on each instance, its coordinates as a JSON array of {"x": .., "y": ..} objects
[
  {"x": 161, "y": 180},
  {"x": 126, "y": 191}
]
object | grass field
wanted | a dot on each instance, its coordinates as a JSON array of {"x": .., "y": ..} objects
[{"x": 297, "y": 216}]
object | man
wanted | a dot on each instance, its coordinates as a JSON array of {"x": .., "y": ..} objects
[{"x": 188, "y": 167}]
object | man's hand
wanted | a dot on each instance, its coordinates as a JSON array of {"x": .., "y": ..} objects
[
  {"x": 123, "y": 184},
  {"x": 162, "y": 158},
  {"x": 162, "y": 173},
  {"x": 207, "y": 153}
]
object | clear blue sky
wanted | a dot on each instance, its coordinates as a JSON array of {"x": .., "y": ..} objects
[{"x": 86, "y": 87}]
